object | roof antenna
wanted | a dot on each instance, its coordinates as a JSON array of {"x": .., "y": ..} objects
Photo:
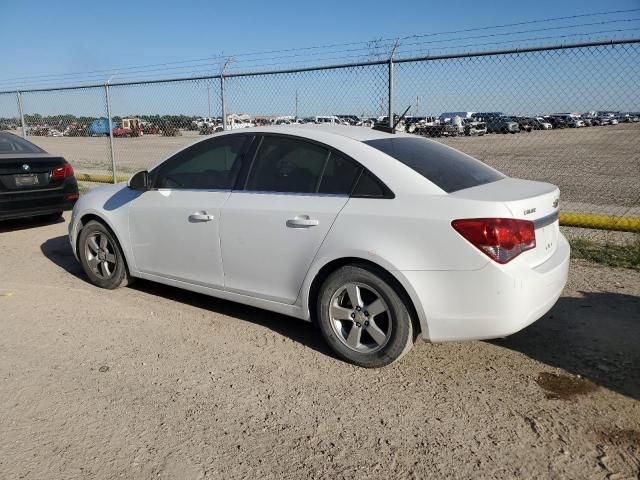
[{"x": 388, "y": 129}]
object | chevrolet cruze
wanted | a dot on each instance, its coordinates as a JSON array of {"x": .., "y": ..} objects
[{"x": 377, "y": 238}]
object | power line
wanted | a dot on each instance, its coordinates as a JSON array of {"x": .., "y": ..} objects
[
  {"x": 300, "y": 49},
  {"x": 406, "y": 54}
]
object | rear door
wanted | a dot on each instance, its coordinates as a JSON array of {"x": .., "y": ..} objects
[
  {"x": 273, "y": 227},
  {"x": 175, "y": 226}
]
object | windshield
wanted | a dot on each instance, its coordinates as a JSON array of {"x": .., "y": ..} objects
[
  {"x": 447, "y": 168},
  {"x": 10, "y": 143}
]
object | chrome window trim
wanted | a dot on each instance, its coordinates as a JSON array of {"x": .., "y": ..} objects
[{"x": 546, "y": 220}]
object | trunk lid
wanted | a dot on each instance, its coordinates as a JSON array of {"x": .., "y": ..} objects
[
  {"x": 526, "y": 200},
  {"x": 28, "y": 171}
]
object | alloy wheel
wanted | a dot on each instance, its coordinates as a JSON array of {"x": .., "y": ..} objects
[
  {"x": 100, "y": 255},
  {"x": 360, "y": 317}
]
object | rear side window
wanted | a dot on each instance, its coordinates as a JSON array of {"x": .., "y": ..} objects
[
  {"x": 370, "y": 187},
  {"x": 287, "y": 165},
  {"x": 10, "y": 143},
  {"x": 447, "y": 168},
  {"x": 339, "y": 175}
]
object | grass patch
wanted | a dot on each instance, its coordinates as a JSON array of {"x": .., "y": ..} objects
[{"x": 606, "y": 254}]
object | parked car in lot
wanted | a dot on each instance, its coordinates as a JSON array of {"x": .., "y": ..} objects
[
  {"x": 540, "y": 123},
  {"x": 570, "y": 120},
  {"x": 524, "y": 123},
  {"x": 350, "y": 119},
  {"x": 472, "y": 127},
  {"x": 32, "y": 182},
  {"x": 497, "y": 122},
  {"x": 556, "y": 122},
  {"x": 331, "y": 119},
  {"x": 376, "y": 237}
]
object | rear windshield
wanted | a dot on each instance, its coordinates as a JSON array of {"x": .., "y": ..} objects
[
  {"x": 447, "y": 168},
  {"x": 10, "y": 143}
]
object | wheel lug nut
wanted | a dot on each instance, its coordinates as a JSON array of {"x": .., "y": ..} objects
[
  {"x": 358, "y": 308},
  {"x": 366, "y": 314},
  {"x": 353, "y": 315},
  {"x": 358, "y": 325}
]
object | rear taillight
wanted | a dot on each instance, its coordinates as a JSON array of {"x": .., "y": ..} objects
[
  {"x": 502, "y": 239},
  {"x": 62, "y": 172}
]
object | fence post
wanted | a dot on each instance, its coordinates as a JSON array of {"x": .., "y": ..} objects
[
  {"x": 111, "y": 151},
  {"x": 222, "y": 95},
  {"x": 391, "y": 80},
  {"x": 224, "y": 108},
  {"x": 24, "y": 127}
]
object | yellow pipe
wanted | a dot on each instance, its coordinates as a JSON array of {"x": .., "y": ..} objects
[
  {"x": 90, "y": 177},
  {"x": 600, "y": 222}
]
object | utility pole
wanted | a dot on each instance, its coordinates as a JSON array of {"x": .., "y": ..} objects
[{"x": 296, "y": 104}]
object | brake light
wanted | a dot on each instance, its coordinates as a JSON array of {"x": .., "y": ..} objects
[
  {"x": 501, "y": 239},
  {"x": 62, "y": 172}
]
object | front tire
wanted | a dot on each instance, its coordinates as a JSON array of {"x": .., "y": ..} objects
[
  {"x": 363, "y": 318},
  {"x": 101, "y": 257}
]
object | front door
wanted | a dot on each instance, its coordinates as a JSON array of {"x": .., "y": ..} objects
[{"x": 175, "y": 227}]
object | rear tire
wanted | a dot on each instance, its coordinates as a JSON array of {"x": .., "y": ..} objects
[
  {"x": 101, "y": 257},
  {"x": 363, "y": 317}
]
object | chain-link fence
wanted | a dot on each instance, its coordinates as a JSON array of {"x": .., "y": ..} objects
[{"x": 566, "y": 114}]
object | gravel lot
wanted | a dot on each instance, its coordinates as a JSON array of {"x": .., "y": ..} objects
[
  {"x": 153, "y": 382},
  {"x": 597, "y": 168}
]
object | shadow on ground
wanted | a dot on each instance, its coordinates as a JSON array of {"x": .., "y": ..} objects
[
  {"x": 59, "y": 252},
  {"x": 596, "y": 335},
  {"x": 26, "y": 223}
]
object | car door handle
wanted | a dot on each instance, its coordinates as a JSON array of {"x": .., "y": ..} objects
[
  {"x": 200, "y": 217},
  {"x": 302, "y": 221}
]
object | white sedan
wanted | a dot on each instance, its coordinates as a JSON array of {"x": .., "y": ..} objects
[{"x": 375, "y": 237}]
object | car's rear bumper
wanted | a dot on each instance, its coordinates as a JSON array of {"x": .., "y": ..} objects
[
  {"x": 492, "y": 302},
  {"x": 38, "y": 202}
]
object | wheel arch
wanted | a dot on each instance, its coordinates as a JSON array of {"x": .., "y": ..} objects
[
  {"x": 401, "y": 286},
  {"x": 86, "y": 218}
]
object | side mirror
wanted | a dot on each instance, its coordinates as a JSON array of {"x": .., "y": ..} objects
[{"x": 139, "y": 181}]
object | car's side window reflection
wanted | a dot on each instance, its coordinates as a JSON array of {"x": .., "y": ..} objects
[
  {"x": 287, "y": 165},
  {"x": 210, "y": 165}
]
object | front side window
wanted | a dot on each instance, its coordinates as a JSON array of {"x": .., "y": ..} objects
[
  {"x": 287, "y": 165},
  {"x": 210, "y": 165}
]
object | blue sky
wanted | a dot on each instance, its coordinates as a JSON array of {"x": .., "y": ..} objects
[
  {"x": 41, "y": 37},
  {"x": 44, "y": 37}
]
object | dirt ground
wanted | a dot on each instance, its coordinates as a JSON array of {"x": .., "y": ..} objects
[
  {"x": 154, "y": 382},
  {"x": 596, "y": 168}
]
